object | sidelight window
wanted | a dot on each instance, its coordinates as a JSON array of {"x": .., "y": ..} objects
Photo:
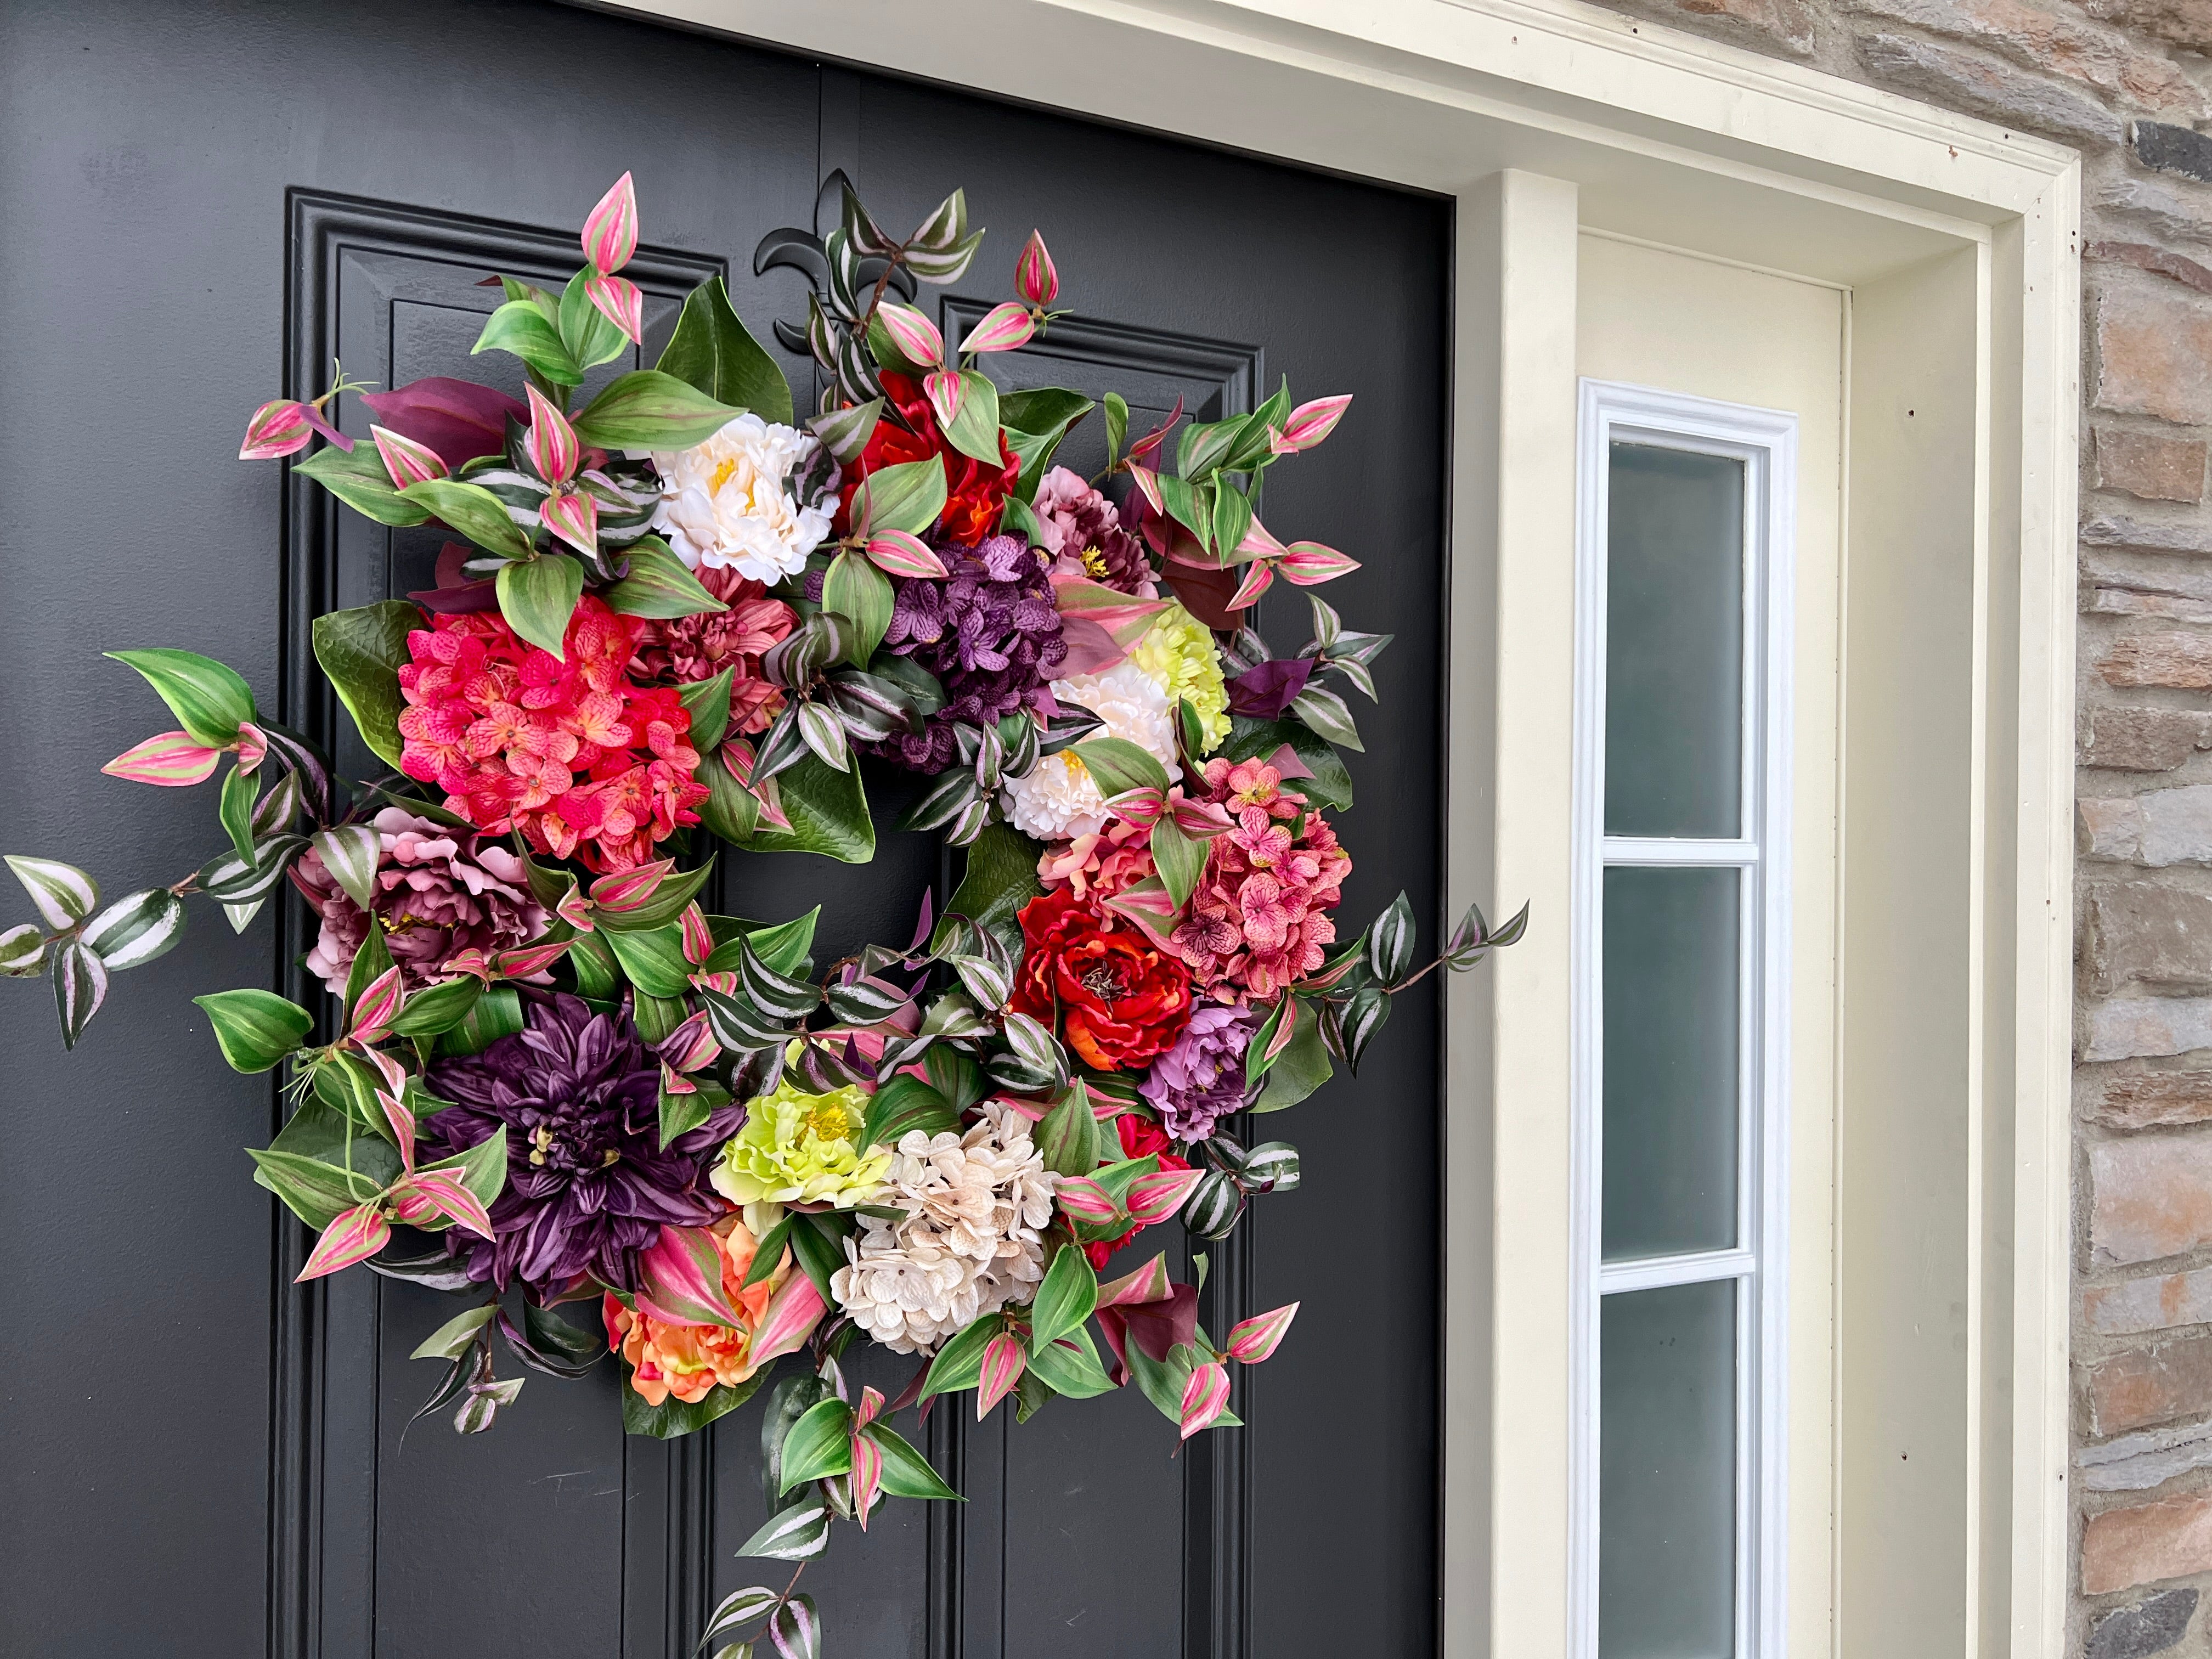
[{"x": 1684, "y": 548}]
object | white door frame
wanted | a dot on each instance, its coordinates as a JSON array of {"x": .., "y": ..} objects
[{"x": 1958, "y": 242}]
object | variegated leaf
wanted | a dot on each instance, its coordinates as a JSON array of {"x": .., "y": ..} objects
[
  {"x": 943, "y": 391},
  {"x": 796, "y": 1629},
  {"x": 550, "y": 443},
  {"x": 916, "y": 338},
  {"x": 23, "y": 950},
  {"x": 171, "y": 760},
  {"x": 845, "y": 431},
  {"x": 621, "y": 301},
  {"x": 80, "y": 986},
  {"x": 356, "y": 1235},
  {"x": 1215, "y": 1207},
  {"x": 1003, "y": 1363},
  {"x": 1156, "y": 1197},
  {"x": 1205, "y": 1397},
  {"x": 573, "y": 517},
  {"x": 1258, "y": 576},
  {"x": 407, "y": 461},
  {"x": 1325, "y": 712},
  {"x": 1251, "y": 1340},
  {"x": 1036, "y": 279},
  {"x": 137, "y": 928},
  {"x": 350, "y": 853},
  {"x": 1309, "y": 563},
  {"x": 443, "y": 1195},
  {"x": 739, "y": 1609},
  {"x": 866, "y": 1476},
  {"x": 1310, "y": 423},
  {"x": 1004, "y": 327},
  {"x": 277, "y": 428},
  {"x": 798, "y": 1533},
  {"x": 64, "y": 894},
  {"x": 610, "y": 236}
]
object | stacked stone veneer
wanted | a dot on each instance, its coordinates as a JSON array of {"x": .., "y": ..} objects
[{"x": 2129, "y": 82}]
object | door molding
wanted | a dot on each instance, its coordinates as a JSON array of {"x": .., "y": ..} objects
[{"x": 1959, "y": 241}]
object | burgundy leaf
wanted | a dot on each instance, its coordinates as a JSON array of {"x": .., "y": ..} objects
[
  {"x": 457, "y": 420},
  {"x": 1266, "y": 691}
]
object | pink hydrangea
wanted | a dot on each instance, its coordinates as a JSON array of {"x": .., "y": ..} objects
[{"x": 1258, "y": 921}]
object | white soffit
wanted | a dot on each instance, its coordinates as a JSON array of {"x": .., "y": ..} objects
[{"x": 1671, "y": 139}]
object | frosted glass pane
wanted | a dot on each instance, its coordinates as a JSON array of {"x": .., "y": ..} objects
[
  {"x": 1667, "y": 1473},
  {"x": 1674, "y": 645},
  {"x": 1670, "y": 1061}
]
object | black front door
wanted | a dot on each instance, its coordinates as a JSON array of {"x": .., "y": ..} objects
[{"x": 201, "y": 203}]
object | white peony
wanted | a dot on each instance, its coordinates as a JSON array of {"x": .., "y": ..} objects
[
  {"x": 733, "y": 501},
  {"x": 971, "y": 1240},
  {"x": 1057, "y": 800}
]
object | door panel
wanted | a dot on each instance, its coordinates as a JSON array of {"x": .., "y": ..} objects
[{"x": 223, "y": 197}]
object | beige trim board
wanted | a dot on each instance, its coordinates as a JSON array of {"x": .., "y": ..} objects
[{"x": 1957, "y": 242}]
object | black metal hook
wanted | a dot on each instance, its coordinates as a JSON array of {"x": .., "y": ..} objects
[{"x": 794, "y": 249}]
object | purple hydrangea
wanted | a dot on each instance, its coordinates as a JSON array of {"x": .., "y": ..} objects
[
  {"x": 588, "y": 1183},
  {"x": 1201, "y": 1079},
  {"x": 988, "y": 630}
]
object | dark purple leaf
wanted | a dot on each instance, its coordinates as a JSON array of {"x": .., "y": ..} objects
[{"x": 1266, "y": 691}]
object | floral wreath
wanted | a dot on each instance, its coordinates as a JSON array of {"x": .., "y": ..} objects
[{"x": 676, "y": 611}]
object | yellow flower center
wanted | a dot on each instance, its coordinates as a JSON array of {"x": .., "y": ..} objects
[
  {"x": 722, "y": 475},
  {"x": 1094, "y": 562},
  {"x": 827, "y": 1120}
]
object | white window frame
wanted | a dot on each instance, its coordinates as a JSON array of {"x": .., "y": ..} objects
[{"x": 1766, "y": 442}]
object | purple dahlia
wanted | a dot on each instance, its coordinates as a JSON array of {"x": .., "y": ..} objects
[
  {"x": 988, "y": 629},
  {"x": 1200, "y": 1080},
  {"x": 588, "y": 1183}
]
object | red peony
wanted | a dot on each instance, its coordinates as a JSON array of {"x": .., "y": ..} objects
[
  {"x": 570, "y": 751},
  {"x": 1259, "y": 918},
  {"x": 973, "y": 493},
  {"x": 1123, "y": 1000},
  {"x": 1140, "y": 1135}
]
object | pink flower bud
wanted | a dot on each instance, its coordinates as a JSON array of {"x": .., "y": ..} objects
[
  {"x": 611, "y": 229},
  {"x": 913, "y": 334},
  {"x": 551, "y": 444},
  {"x": 1004, "y": 327},
  {"x": 1035, "y": 277}
]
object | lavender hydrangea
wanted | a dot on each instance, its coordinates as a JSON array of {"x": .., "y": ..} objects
[
  {"x": 588, "y": 1183},
  {"x": 988, "y": 630},
  {"x": 1200, "y": 1080}
]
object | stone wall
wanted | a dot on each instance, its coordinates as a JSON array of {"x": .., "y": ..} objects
[{"x": 2129, "y": 82}]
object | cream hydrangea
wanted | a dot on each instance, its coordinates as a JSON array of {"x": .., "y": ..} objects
[
  {"x": 1057, "y": 800},
  {"x": 1178, "y": 651},
  {"x": 756, "y": 498},
  {"x": 970, "y": 1243}
]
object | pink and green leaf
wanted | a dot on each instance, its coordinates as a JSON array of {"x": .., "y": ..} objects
[
  {"x": 680, "y": 1279},
  {"x": 379, "y": 1005},
  {"x": 1004, "y": 327},
  {"x": 1258, "y": 576},
  {"x": 407, "y": 461},
  {"x": 441, "y": 1194},
  {"x": 573, "y": 517},
  {"x": 1310, "y": 563},
  {"x": 1205, "y": 1397},
  {"x": 867, "y": 1476},
  {"x": 792, "y": 1313},
  {"x": 621, "y": 303},
  {"x": 526, "y": 960},
  {"x": 1036, "y": 279},
  {"x": 903, "y": 553},
  {"x": 916, "y": 338},
  {"x": 1251, "y": 1340},
  {"x": 944, "y": 389},
  {"x": 1150, "y": 1283},
  {"x": 1154, "y": 1198},
  {"x": 698, "y": 938},
  {"x": 1310, "y": 423},
  {"x": 1084, "y": 1200},
  {"x": 610, "y": 236},
  {"x": 355, "y": 1236},
  {"x": 551, "y": 442},
  {"x": 170, "y": 760},
  {"x": 1003, "y": 1364}
]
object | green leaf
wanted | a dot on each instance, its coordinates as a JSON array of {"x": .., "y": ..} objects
[
  {"x": 1068, "y": 1139},
  {"x": 672, "y": 1417},
  {"x": 908, "y": 496},
  {"x": 783, "y": 947},
  {"x": 1180, "y": 858},
  {"x": 256, "y": 1029},
  {"x": 1072, "y": 1370},
  {"x": 1302, "y": 1068},
  {"x": 370, "y": 962},
  {"x": 521, "y": 327},
  {"x": 313, "y": 1189},
  {"x": 359, "y": 479},
  {"x": 209, "y": 701},
  {"x": 590, "y": 335},
  {"x": 791, "y": 1400},
  {"x": 906, "y": 1473},
  {"x": 1117, "y": 425},
  {"x": 729, "y": 812},
  {"x": 828, "y": 814},
  {"x": 1035, "y": 423},
  {"x": 437, "y": 1008},
  {"x": 708, "y": 703},
  {"x": 538, "y": 596},
  {"x": 1330, "y": 785},
  {"x": 235, "y": 811},
  {"x": 713, "y": 352},
  {"x": 1065, "y": 1298},
  {"x": 817, "y": 1251},
  {"x": 497, "y": 1013},
  {"x": 856, "y": 590},
  {"x": 482, "y": 1166},
  {"x": 819, "y": 1444},
  {"x": 659, "y": 585},
  {"x": 768, "y": 1252},
  {"x": 1232, "y": 517},
  {"x": 959, "y": 1363},
  {"x": 902, "y": 1103},
  {"x": 360, "y": 652},
  {"x": 599, "y": 975},
  {"x": 975, "y": 428},
  {"x": 1116, "y": 764},
  {"x": 473, "y": 510},
  {"x": 681, "y": 1114},
  {"x": 457, "y": 1335},
  {"x": 652, "y": 959},
  {"x": 667, "y": 904},
  {"x": 797, "y": 1532},
  {"x": 648, "y": 409}
]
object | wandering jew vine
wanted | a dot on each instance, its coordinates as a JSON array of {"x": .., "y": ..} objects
[{"x": 676, "y": 615}]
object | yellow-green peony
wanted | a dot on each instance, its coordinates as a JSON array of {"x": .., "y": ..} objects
[
  {"x": 1178, "y": 654},
  {"x": 799, "y": 1148}
]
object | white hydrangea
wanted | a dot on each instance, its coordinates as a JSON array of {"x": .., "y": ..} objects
[
  {"x": 733, "y": 501},
  {"x": 976, "y": 1205},
  {"x": 1058, "y": 800}
]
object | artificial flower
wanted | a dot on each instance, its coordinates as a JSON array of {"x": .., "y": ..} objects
[
  {"x": 1178, "y": 651},
  {"x": 1140, "y": 1138},
  {"x": 569, "y": 750},
  {"x": 1259, "y": 919},
  {"x": 799, "y": 1148},
  {"x": 687, "y": 1362},
  {"x": 1057, "y": 799},
  {"x": 1201, "y": 1078},
  {"x": 971, "y": 1240},
  {"x": 1087, "y": 537},
  {"x": 588, "y": 1183},
  {"x": 1104, "y": 862},
  {"x": 988, "y": 629},
  {"x": 685, "y": 649},
  {"x": 438, "y": 892},
  {"x": 975, "y": 493},
  {"x": 756, "y": 498},
  {"x": 1120, "y": 998}
]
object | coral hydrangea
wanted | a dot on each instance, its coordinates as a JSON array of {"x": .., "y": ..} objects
[
  {"x": 971, "y": 1240},
  {"x": 1057, "y": 799},
  {"x": 1259, "y": 918},
  {"x": 685, "y": 649},
  {"x": 799, "y": 1148},
  {"x": 686, "y": 1362},
  {"x": 569, "y": 750},
  {"x": 1178, "y": 651},
  {"x": 1103, "y": 863},
  {"x": 988, "y": 629}
]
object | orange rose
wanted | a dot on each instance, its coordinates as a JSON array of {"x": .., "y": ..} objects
[{"x": 687, "y": 1361}]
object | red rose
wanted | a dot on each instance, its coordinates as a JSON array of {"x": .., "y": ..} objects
[
  {"x": 1123, "y": 1000},
  {"x": 1140, "y": 1135},
  {"x": 973, "y": 493}
]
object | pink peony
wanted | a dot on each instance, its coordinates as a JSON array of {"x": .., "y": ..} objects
[
  {"x": 688, "y": 649},
  {"x": 1258, "y": 920},
  {"x": 1086, "y": 536},
  {"x": 440, "y": 892}
]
